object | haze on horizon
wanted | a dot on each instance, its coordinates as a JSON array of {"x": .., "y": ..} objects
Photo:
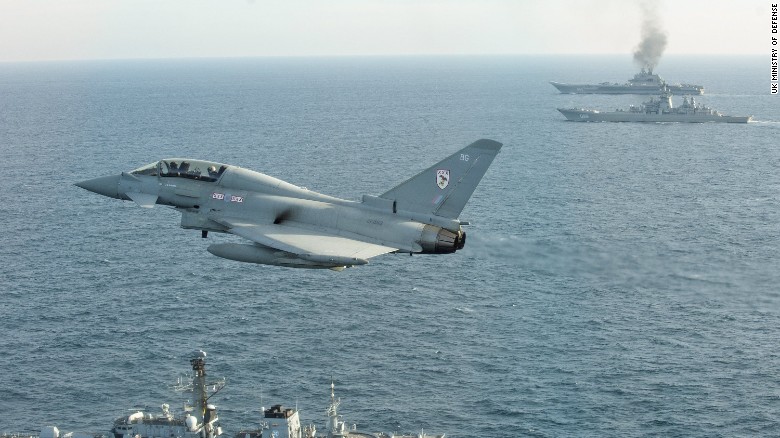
[{"x": 37, "y": 30}]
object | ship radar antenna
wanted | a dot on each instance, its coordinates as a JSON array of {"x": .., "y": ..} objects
[{"x": 334, "y": 403}]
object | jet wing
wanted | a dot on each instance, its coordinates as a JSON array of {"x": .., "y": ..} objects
[{"x": 308, "y": 243}]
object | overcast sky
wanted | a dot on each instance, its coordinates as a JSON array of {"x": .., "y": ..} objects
[{"x": 32, "y": 30}]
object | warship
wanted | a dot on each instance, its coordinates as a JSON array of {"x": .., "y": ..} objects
[
  {"x": 644, "y": 82},
  {"x": 655, "y": 110},
  {"x": 201, "y": 421}
]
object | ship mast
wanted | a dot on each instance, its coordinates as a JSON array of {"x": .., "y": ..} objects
[
  {"x": 204, "y": 418},
  {"x": 335, "y": 427},
  {"x": 198, "y": 363}
]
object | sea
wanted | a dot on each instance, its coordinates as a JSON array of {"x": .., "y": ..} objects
[{"x": 618, "y": 280}]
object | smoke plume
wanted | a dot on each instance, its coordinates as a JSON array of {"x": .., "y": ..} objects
[{"x": 653, "y": 43}]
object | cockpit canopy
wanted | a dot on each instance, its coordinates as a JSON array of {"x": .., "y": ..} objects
[{"x": 183, "y": 168}]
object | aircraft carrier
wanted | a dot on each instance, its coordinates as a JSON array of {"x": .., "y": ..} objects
[
  {"x": 655, "y": 110},
  {"x": 200, "y": 420},
  {"x": 644, "y": 82}
]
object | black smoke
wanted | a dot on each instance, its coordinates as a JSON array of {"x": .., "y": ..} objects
[{"x": 653, "y": 44}]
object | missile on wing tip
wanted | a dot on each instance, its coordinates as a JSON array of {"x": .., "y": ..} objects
[{"x": 268, "y": 256}]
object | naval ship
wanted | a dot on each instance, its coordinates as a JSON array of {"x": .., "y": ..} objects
[
  {"x": 644, "y": 82},
  {"x": 655, "y": 110},
  {"x": 201, "y": 420}
]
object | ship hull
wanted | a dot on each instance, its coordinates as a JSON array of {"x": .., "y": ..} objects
[
  {"x": 580, "y": 115},
  {"x": 624, "y": 89}
]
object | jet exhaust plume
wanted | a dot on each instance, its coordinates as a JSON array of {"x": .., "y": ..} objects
[{"x": 653, "y": 43}]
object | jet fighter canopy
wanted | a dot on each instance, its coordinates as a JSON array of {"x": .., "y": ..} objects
[{"x": 183, "y": 168}]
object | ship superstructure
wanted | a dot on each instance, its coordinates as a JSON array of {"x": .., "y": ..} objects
[{"x": 279, "y": 422}]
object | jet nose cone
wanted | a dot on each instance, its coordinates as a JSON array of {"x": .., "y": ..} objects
[{"x": 105, "y": 185}]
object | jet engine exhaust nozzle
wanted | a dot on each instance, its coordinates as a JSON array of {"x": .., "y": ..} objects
[{"x": 436, "y": 240}]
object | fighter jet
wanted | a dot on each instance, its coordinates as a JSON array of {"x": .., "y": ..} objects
[{"x": 295, "y": 227}]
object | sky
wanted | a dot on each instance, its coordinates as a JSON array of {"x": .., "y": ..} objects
[{"x": 38, "y": 30}]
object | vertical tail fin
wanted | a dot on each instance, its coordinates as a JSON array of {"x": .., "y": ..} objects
[{"x": 444, "y": 188}]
